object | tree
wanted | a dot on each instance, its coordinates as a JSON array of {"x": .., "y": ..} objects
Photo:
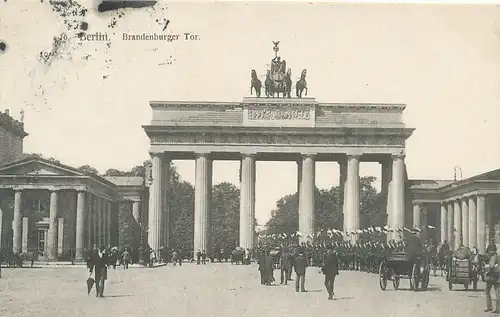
[
  {"x": 181, "y": 207},
  {"x": 225, "y": 216},
  {"x": 114, "y": 172},
  {"x": 328, "y": 210},
  {"x": 88, "y": 169}
]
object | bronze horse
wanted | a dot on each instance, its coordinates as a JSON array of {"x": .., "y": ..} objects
[
  {"x": 255, "y": 83},
  {"x": 301, "y": 84},
  {"x": 284, "y": 86}
]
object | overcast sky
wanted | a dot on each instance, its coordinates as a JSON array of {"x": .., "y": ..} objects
[{"x": 88, "y": 108}]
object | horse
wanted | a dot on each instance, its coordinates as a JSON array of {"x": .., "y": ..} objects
[
  {"x": 301, "y": 84},
  {"x": 255, "y": 83}
]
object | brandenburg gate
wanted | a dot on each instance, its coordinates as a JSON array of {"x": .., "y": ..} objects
[
  {"x": 276, "y": 129},
  {"x": 301, "y": 130}
]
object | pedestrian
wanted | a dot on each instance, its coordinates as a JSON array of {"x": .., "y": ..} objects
[
  {"x": 125, "y": 259},
  {"x": 300, "y": 271},
  {"x": 98, "y": 266},
  {"x": 285, "y": 265},
  {"x": 492, "y": 278},
  {"x": 203, "y": 257},
  {"x": 262, "y": 261},
  {"x": 198, "y": 257},
  {"x": 330, "y": 270}
]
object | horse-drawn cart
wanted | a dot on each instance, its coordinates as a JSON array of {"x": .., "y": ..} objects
[
  {"x": 397, "y": 266},
  {"x": 464, "y": 272}
]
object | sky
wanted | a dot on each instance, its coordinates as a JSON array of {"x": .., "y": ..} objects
[{"x": 87, "y": 105}]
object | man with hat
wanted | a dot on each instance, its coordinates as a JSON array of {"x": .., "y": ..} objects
[
  {"x": 330, "y": 270},
  {"x": 300, "y": 271},
  {"x": 492, "y": 276}
]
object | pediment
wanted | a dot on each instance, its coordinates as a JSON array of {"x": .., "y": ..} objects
[{"x": 38, "y": 168}]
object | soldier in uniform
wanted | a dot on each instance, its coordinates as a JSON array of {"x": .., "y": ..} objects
[
  {"x": 285, "y": 266},
  {"x": 300, "y": 271}
]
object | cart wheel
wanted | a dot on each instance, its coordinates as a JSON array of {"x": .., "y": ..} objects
[
  {"x": 414, "y": 277},
  {"x": 395, "y": 282},
  {"x": 382, "y": 276},
  {"x": 466, "y": 286}
]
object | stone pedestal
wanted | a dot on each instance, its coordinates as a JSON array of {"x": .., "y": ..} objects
[
  {"x": 444, "y": 223},
  {"x": 247, "y": 206},
  {"x": 457, "y": 223},
  {"x": 352, "y": 197},
  {"x": 155, "y": 203},
  {"x": 202, "y": 202},
  {"x": 53, "y": 226},
  {"x": 472, "y": 222},
  {"x": 80, "y": 225},
  {"x": 25, "y": 235},
  {"x": 465, "y": 222},
  {"x": 306, "y": 199},
  {"x": 451, "y": 227},
  {"x": 481, "y": 223},
  {"x": 17, "y": 223}
]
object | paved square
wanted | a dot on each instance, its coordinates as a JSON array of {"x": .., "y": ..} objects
[{"x": 221, "y": 290}]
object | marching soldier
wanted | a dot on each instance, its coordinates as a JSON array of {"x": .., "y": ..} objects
[{"x": 330, "y": 270}]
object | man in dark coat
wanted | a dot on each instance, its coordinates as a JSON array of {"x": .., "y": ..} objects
[
  {"x": 285, "y": 265},
  {"x": 99, "y": 262},
  {"x": 268, "y": 269},
  {"x": 300, "y": 271},
  {"x": 262, "y": 261},
  {"x": 330, "y": 270}
]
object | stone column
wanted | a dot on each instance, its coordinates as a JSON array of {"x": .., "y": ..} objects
[
  {"x": 444, "y": 222},
  {"x": 1, "y": 227},
  {"x": 25, "y": 235},
  {"x": 202, "y": 201},
  {"x": 53, "y": 226},
  {"x": 481, "y": 223},
  {"x": 397, "y": 191},
  {"x": 343, "y": 192},
  {"x": 386, "y": 194},
  {"x": 465, "y": 221},
  {"x": 80, "y": 225},
  {"x": 95, "y": 219},
  {"x": 352, "y": 196},
  {"x": 450, "y": 228},
  {"x": 306, "y": 199},
  {"x": 472, "y": 222},
  {"x": 17, "y": 223},
  {"x": 60, "y": 235},
  {"x": 457, "y": 223},
  {"x": 100, "y": 225},
  {"x": 416, "y": 215},
  {"x": 108, "y": 223},
  {"x": 247, "y": 207},
  {"x": 136, "y": 211},
  {"x": 89, "y": 221},
  {"x": 155, "y": 203}
]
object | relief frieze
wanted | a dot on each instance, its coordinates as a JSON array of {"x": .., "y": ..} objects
[
  {"x": 279, "y": 114},
  {"x": 277, "y": 139}
]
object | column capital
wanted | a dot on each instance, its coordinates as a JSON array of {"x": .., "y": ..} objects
[
  {"x": 18, "y": 189},
  {"x": 248, "y": 154},
  {"x": 308, "y": 155},
  {"x": 398, "y": 156},
  {"x": 202, "y": 154},
  {"x": 352, "y": 156},
  {"x": 157, "y": 154}
]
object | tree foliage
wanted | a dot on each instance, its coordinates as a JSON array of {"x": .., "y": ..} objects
[
  {"x": 225, "y": 216},
  {"x": 328, "y": 210},
  {"x": 88, "y": 169}
]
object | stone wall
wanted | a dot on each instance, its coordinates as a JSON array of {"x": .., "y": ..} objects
[{"x": 11, "y": 139}]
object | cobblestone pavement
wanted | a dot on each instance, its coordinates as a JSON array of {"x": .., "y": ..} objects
[{"x": 221, "y": 290}]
